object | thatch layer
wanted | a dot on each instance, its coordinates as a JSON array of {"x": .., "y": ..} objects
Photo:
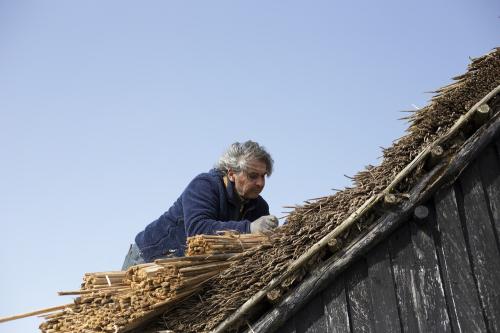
[{"x": 309, "y": 223}]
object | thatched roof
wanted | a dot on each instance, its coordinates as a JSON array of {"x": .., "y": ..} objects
[
  {"x": 309, "y": 223},
  {"x": 318, "y": 229}
]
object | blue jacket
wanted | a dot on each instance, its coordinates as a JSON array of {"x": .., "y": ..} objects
[{"x": 206, "y": 206}]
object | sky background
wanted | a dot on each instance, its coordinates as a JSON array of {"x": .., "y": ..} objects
[{"x": 109, "y": 108}]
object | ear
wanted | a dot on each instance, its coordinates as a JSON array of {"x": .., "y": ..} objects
[{"x": 230, "y": 175}]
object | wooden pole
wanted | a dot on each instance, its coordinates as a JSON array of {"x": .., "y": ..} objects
[
  {"x": 482, "y": 114},
  {"x": 34, "y": 313},
  {"x": 436, "y": 154}
]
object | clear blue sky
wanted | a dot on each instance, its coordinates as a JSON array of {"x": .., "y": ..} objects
[{"x": 109, "y": 108}]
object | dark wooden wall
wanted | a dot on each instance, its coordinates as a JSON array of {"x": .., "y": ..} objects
[{"x": 441, "y": 274}]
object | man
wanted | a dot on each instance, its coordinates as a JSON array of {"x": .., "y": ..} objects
[{"x": 225, "y": 198}]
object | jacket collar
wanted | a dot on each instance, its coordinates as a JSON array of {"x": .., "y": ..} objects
[{"x": 232, "y": 195}]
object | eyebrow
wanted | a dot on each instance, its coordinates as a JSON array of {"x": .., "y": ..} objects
[{"x": 256, "y": 172}]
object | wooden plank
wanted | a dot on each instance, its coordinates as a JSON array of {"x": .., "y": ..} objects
[
  {"x": 429, "y": 299},
  {"x": 335, "y": 301},
  {"x": 385, "y": 308},
  {"x": 311, "y": 318},
  {"x": 496, "y": 143},
  {"x": 489, "y": 165},
  {"x": 403, "y": 266},
  {"x": 289, "y": 326},
  {"x": 482, "y": 245},
  {"x": 359, "y": 298},
  {"x": 461, "y": 292}
]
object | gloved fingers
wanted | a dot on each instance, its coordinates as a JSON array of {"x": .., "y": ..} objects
[
  {"x": 267, "y": 231},
  {"x": 274, "y": 220},
  {"x": 270, "y": 224},
  {"x": 264, "y": 224},
  {"x": 268, "y": 227}
]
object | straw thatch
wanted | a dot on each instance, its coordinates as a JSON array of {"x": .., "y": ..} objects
[{"x": 309, "y": 223}]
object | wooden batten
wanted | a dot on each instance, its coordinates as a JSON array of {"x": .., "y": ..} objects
[
  {"x": 436, "y": 154},
  {"x": 482, "y": 114},
  {"x": 390, "y": 199}
]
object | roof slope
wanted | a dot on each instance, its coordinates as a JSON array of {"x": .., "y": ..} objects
[
  {"x": 309, "y": 223},
  {"x": 357, "y": 283}
]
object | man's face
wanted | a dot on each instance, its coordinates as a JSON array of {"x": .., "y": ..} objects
[{"x": 251, "y": 182}]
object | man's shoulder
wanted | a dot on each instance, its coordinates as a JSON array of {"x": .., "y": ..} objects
[
  {"x": 210, "y": 178},
  {"x": 213, "y": 174}
]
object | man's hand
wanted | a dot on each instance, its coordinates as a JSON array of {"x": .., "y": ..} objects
[{"x": 264, "y": 224}]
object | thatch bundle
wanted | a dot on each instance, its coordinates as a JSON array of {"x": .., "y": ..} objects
[
  {"x": 114, "y": 301},
  {"x": 103, "y": 280},
  {"x": 226, "y": 242},
  {"x": 117, "y": 301}
]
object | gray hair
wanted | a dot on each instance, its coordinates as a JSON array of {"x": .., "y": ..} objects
[{"x": 237, "y": 156}]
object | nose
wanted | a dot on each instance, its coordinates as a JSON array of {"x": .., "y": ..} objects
[{"x": 260, "y": 182}]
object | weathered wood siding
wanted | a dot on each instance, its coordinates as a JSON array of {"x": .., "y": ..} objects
[{"x": 437, "y": 275}]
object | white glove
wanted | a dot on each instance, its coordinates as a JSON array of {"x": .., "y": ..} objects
[{"x": 264, "y": 224}]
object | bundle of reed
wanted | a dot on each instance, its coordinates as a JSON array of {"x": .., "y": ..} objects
[
  {"x": 101, "y": 280},
  {"x": 226, "y": 242},
  {"x": 120, "y": 301}
]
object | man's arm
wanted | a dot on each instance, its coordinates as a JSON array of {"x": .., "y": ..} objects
[{"x": 201, "y": 205}]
